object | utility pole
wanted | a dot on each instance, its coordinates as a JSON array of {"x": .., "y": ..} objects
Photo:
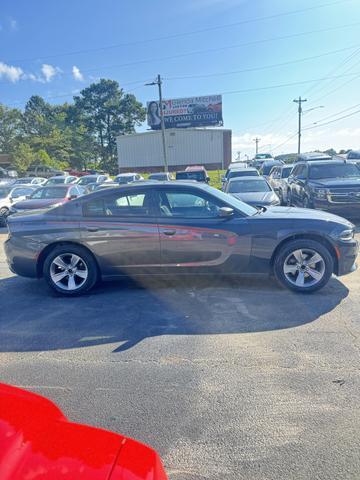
[
  {"x": 299, "y": 101},
  {"x": 257, "y": 140},
  {"x": 158, "y": 82}
]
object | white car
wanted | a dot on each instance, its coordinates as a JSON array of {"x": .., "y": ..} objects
[
  {"x": 62, "y": 180},
  {"x": 37, "y": 181},
  {"x": 124, "y": 178},
  {"x": 10, "y": 194}
]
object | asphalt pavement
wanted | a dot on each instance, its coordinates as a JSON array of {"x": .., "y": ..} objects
[{"x": 228, "y": 379}]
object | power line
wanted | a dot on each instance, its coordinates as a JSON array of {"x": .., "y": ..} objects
[
  {"x": 333, "y": 121},
  {"x": 184, "y": 34},
  {"x": 252, "y": 69},
  {"x": 334, "y": 114},
  {"x": 293, "y": 135}
]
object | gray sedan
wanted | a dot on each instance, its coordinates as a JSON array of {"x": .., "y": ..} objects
[
  {"x": 253, "y": 190},
  {"x": 177, "y": 228}
]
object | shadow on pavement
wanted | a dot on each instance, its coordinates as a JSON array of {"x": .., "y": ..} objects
[{"x": 33, "y": 319}]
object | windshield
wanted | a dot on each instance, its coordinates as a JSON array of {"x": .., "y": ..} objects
[
  {"x": 247, "y": 186},
  {"x": 346, "y": 170},
  {"x": 20, "y": 181},
  {"x": 261, "y": 156},
  {"x": 86, "y": 180},
  {"x": 198, "y": 176},
  {"x": 55, "y": 181},
  {"x": 125, "y": 179},
  {"x": 158, "y": 176},
  {"x": 49, "y": 192},
  {"x": 266, "y": 169},
  {"x": 4, "y": 192}
]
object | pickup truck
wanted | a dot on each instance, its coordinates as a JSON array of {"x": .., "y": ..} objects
[{"x": 43, "y": 171}]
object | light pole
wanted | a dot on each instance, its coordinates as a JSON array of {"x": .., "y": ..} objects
[
  {"x": 256, "y": 140},
  {"x": 158, "y": 82}
]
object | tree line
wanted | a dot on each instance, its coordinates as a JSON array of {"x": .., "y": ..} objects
[{"x": 80, "y": 135}]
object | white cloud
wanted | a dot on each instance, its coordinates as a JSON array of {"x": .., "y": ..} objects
[
  {"x": 10, "y": 72},
  {"x": 13, "y": 24},
  {"x": 77, "y": 74},
  {"x": 49, "y": 72}
]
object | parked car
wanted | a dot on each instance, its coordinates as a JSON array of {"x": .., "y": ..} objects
[
  {"x": 124, "y": 178},
  {"x": 176, "y": 228},
  {"x": 43, "y": 171},
  {"x": 268, "y": 165},
  {"x": 86, "y": 180},
  {"x": 5, "y": 177},
  {"x": 37, "y": 181},
  {"x": 312, "y": 157},
  {"x": 332, "y": 185},
  {"x": 238, "y": 172},
  {"x": 353, "y": 155},
  {"x": 260, "y": 158},
  {"x": 38, "y": 442},
  {"x": 252, "y": 190},
  {"x": 278, "y": 180},
  {"x": 197, "y": 173},
  {"x": 161, "y": 176},
  {"x": 100, "y": 186},
  {"x": 46, "y": 197},
  {"x": 65, "y": 179},
  {"x": 9, "y": 195}
]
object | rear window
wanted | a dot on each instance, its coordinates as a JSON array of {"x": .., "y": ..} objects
[
  {"x": 198, "y": 176},
  {"x": 49, "y": 192},
  {"x": 248, "y": 186},
  {"x": 243, "y": 173}
]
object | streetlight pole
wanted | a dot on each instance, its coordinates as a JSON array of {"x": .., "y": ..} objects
[
  {"x": 158, "y": 82},
  {"x": 257, "y": 140},
  {"x": 299, "y": 101}
]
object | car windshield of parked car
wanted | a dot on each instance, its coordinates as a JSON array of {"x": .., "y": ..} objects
[
  {"x": 247, "y": 186},
  {"x": 262, "y": 156},
  {"x": 21, "y": 181},
  {"x": 86, "y": 180},
  {"x": 4, "y": 192},
  {"x": 346, "y": 170},
  {"x": 354, "y": 156},
  {"x": 198, "y": 176},
  {"x": 55, "y": 181},
  {"x": 122, "y": 179},
  {"x": 49, "y": 192},
  {"x": 266, "y": 169}
]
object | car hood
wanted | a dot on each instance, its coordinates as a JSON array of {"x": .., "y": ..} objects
[
  {"x": 335, "y": 182},
  {"x": 38, "y": 442},
  {"x": 293, "y": 213},
  {"x": 256, "y": 198},
  {"x": 37, "y": 204}
]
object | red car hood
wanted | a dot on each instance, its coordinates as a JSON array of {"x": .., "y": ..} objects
[
  {"x": 38, "y": 443},
  {"x": 38, "y": 204}
]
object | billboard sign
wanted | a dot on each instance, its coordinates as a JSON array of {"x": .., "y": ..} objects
[{"x": 186, "y": 112}]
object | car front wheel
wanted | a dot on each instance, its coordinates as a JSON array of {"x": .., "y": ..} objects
[
  {"x": 70, "y": 270},
  {"x": 303, "y": 265}
]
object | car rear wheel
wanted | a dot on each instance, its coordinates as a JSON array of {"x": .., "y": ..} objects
[
  {"x": 70, "y": 270},
  {"x": 303, "y": 265}
]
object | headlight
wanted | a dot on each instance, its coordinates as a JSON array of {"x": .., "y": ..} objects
[
  {"x": 320, "y": 192},
  {"x": 346, "y": 235}
]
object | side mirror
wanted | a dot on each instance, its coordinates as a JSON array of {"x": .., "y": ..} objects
[
  {"x": 207, "y": 179},
  {"x": 226, "y": 212},
  {"x": 27, "y": 197},
  {"x": 223, "y": 178},
  {"x": 72, "y": 197}
]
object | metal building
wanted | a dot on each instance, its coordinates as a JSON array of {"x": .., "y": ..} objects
[{"x": 142, "y": 152}]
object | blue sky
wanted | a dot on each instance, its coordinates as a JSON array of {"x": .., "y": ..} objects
[{"x": 54, "y": 49}]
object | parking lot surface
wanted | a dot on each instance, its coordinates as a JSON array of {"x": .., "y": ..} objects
[{"x": 227, "y": 379}]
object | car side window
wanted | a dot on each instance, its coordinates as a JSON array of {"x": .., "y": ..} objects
[
  {"x": 301, "y": 173},
  {"x": 187, "y": 204},
  {"x": 119, "y": 205},
  {"x": 20, "y": 192}
]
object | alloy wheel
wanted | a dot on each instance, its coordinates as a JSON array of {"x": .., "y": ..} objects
[
  {"x": 304, "y": 267},
  {"x": 68, "y": 271}
]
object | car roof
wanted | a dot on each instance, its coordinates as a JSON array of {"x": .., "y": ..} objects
[
  {"x": 194, "y": 168},
  {"x": 244, "y": 169},
  {"x": 63, "y": 185},
  {"x": 128, "y": 174},
  {"x": 324, "y": 162},
  {"x": 314, "y": 155}
]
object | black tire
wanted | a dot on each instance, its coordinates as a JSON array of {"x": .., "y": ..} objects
[
  {"x": 289, "y": 199},
  {"x": 281, "y": 196},
  {"x": 86, "y": 264},
  {"x": 303, "y": 244}
]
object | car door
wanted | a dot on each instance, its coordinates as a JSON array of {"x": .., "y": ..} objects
[
  {"x": 121, "y": 229},
  {"x": 194, "y": 237},
  {"x": 299, "y": 184}
]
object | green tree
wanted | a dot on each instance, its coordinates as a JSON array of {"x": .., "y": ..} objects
[
  {"x": 107, "y": 112},
  {"x": 23, "y": 157},
  {"x": 11, "y": 128}
]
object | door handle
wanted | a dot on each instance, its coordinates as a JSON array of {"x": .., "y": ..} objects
[
  {"x": 169, "y": 233},
  {"x": 92, "y": 229}
]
